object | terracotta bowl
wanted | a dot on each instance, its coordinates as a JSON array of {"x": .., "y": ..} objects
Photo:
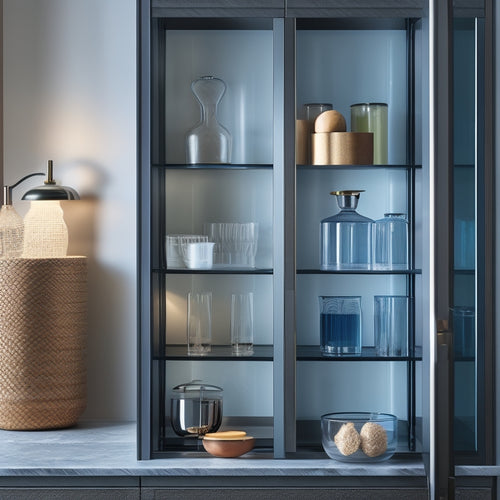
[{"x": 229, "y": 448}]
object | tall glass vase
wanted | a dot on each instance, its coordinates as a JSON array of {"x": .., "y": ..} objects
[{"x": 209, "y": 141}]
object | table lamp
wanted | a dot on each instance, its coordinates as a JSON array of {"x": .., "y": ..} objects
[{"x": 45, "y": 232}]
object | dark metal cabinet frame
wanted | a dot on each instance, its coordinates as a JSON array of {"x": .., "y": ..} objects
[{"x": 282, "y": 16}]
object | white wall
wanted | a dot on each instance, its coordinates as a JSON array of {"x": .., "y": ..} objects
[{"x": 70, "y": 96}]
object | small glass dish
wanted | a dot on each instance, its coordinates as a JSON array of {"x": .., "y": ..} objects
[{"x": 359, "y": 436}]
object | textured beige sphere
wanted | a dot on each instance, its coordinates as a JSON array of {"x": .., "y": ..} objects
[
  {"x": 373, "y": 439},
  {"x": 330, "y": 121},
  {"x": 347, "y": 439}
]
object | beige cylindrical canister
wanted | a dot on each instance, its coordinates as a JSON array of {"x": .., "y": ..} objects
[
  {"x": 320, "y": 148},
  {"x": 342, "y": 148},
  {"x": 303, "y": 131},
  {"x": 43, "y": 337},
  {"x": 351, "y": 148}
]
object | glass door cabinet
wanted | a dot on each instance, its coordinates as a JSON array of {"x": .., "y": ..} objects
[{"x": 278, "y": 63}]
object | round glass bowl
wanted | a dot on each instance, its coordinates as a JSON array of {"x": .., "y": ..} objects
[{"x": 359, "y": 436}]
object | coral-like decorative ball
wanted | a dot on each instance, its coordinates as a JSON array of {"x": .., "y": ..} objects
[
  {"x": 347, "y": 439},
  {"x": 373, "y": 439}
]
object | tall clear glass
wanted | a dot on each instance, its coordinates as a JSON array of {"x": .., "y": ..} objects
[
  {"x": 209, "y": 141},
  {"x": 340, "y": 325},
  {"x": 391, "y": 242},
  {"x": 346, "y": 238},
  {"x": 242, "y": 324},
  {"x": 199, "y": 323},
  {"x": 391, "y": 325}
]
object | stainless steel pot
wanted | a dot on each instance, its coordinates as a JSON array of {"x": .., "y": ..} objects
[{"x": 196, "y": 408}]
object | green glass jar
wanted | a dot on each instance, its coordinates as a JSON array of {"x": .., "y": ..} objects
[{"x": 372, "y": 117}]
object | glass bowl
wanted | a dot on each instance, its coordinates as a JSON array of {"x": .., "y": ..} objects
[{"x": 359, "y": 436}]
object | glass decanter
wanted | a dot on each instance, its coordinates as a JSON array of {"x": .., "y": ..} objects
[
  {"x": 209, "y": 141},
  {"x": 346, "y": 238}
]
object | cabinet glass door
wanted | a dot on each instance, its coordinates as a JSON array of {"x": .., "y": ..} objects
[
  {"x": 463, "y": 203},
  {"x": 211, "y": 178},
  {"x": 342, "y": 64},
  {"x": 472, "y": 245}
]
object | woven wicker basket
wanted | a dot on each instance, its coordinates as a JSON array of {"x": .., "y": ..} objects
[{"x": 43, "y": 323}]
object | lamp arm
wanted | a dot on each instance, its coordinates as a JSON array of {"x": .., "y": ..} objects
[{"x": 7, "y": 190}]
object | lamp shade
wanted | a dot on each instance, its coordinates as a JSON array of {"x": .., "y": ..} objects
[{"x": 50, "y": 190}]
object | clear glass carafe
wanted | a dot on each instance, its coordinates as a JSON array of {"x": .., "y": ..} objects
[
  {"x": 346, "y": 238},
  {"x": 391, "y": 242},
  {"x": 209, "y": 141}
]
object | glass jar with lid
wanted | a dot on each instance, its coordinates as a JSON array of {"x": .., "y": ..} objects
[
  {"x": 346, "y": 238},
  {"x": 196, "y": 408}
]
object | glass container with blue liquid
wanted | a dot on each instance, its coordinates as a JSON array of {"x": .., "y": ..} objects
[
  {"x": 340, "y": 325},
  {"x": 346, "y": 238}
]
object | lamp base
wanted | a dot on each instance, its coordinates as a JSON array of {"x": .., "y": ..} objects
[{"x": 43, "y": 336}]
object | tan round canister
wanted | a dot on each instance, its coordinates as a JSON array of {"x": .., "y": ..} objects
[
  {"x": 43, "y": 335},
  {"x": 342, "y": 148}
]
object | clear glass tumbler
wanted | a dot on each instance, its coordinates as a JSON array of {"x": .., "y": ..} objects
[
  {"x": 391, "y": 325},
  {"x": 199, "y": 323},
  {"x": 242, "y": 323},
  {"x": 391, "y": 242},
  {"x": 235, "y": 243},
  {"x": 340, "y": 325}
]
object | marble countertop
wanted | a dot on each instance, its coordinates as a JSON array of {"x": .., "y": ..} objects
[{"x": 109, "y": 449}]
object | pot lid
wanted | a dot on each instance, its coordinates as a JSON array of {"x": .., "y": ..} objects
[{"x": 197, "y": 386}]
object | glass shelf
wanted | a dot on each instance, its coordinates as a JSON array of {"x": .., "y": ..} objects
[
  {"x": 222, "y": 270},
  {"x": 360, "y": 271},
  {"x": 357, "y": 167},
  {"x": 219, "y": 353},
  {"x": 313, "y": 353},
  {"x": 213, "y": 166},
  {"x": 265, "y": 353}
]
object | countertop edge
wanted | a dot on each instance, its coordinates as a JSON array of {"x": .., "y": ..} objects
[{"x": 109, "y": 449}]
